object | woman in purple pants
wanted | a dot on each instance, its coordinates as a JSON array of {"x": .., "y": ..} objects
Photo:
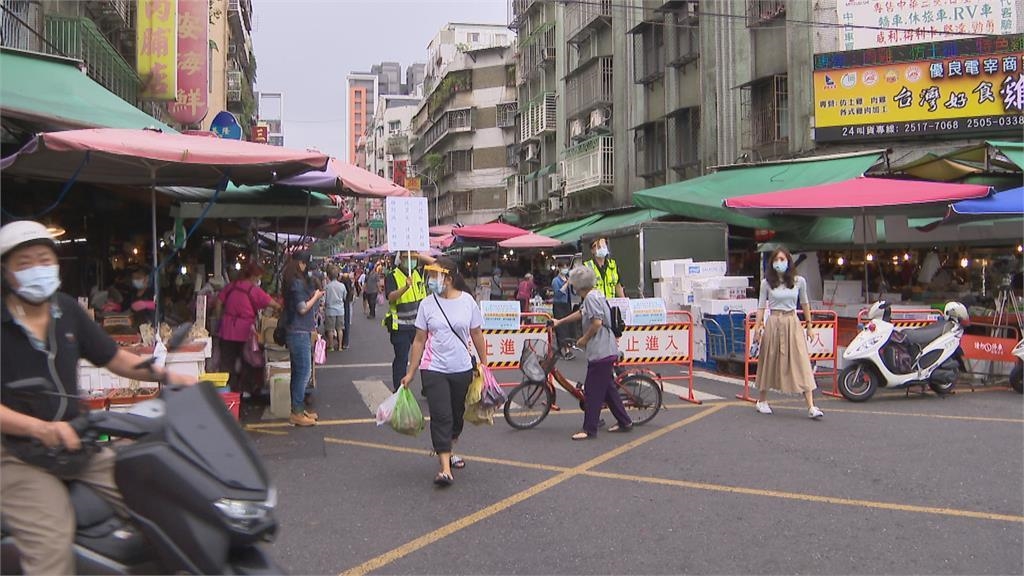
[{"x": 602, "y": 352}]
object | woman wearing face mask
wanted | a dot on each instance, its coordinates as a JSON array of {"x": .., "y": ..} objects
[
  {"x": 452, "y": 319},
  {"x": 783, "y": 362},
  {"x": 561, "y": 306},
  {"x": 241, "y": 303},
  {"x": 141, "y": 298},
  {"x": 302, "y": 299}
]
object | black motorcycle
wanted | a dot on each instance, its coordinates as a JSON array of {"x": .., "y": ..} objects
[{"x": 199, "y": 498}]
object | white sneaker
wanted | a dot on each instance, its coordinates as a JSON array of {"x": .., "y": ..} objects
[
  {"x": 814, "y": 413},
  {"x": 763, "y": 408}
]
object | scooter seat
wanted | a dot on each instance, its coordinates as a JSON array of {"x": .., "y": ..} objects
[{"x": 925, "y": 334}]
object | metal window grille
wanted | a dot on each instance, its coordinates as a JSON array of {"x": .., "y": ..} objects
[
  {"x": 769, "y": 111},
  {"x": 761, "y": 11},
  {"x": 686, "y": 124}
]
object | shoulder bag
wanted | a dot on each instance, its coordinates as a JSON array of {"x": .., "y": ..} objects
[{"x": 472, "y": 358}]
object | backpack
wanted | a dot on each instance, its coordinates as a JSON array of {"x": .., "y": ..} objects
[{"x": 618, "y": 325}]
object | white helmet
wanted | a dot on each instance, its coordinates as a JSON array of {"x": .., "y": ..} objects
[
  {"x": 955, "y": 311},
  {"x": 17, "y": 233}
]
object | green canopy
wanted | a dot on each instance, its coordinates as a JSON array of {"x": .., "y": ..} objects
[
  {"x": 251, "y": 202},
  {"x": 1012, "y": 150},
  {"x": 701, "y": 198},
  {"x": 838, "y": 233},
  {"x": 54, "y": 92},
  {"x": 565, "y": 227},
  {"x": 609, "y": 222}
]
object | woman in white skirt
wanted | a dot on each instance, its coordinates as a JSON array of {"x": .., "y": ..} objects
[{"x": 784, "y": 363}]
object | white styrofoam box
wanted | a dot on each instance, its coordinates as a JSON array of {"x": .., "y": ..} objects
[
  {"x": 280, "y": 395},
  {"x": 715, "y": 307},
  {"x": 663, "y": 290},
  {"x": 842, "y": 291},
  {"x": 891, "y": 297},
  {"x": 665, "y": 268},
  {"x": 701, "y": 269},
  {"x": 729, "y": 293}
]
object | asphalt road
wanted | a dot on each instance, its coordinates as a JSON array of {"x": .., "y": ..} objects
[{"x": 897, "y": 485}]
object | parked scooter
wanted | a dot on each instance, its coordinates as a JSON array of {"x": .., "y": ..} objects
[
  {"x": 882, "y": 356},
  {"x": 198, "y": 495},
  {"x": 1017, "y": 373}
]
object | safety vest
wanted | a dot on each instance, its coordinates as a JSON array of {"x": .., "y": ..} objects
[
  {"x": 403, "y": 312},
  {"x": 605, "y": 284}
]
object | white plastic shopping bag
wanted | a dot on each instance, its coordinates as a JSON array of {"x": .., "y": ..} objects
[{"x": 385, "y": 409}]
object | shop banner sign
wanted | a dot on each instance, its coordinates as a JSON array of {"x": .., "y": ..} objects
[
  {"x": 407, "y": 224},
  {"x": 954, "y": 95},
  {"x": 156, "y": 48},
  {"x": 500, "y": 314},
  {"x": 877, "y": 23},
  {"x": 192, "y": 102},
  {"x": 647, "y": 312}
]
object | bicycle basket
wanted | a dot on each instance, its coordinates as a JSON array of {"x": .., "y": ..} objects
[{"x": 537, "y": 360}]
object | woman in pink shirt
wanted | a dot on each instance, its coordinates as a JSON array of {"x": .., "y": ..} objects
[{"x": 241, "y": 303}]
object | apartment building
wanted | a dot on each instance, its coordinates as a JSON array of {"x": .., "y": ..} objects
[
  {"x": 364, "y": 91},
  {"x": 270, "y": 112},
  {"x": 465, "y": 127}
]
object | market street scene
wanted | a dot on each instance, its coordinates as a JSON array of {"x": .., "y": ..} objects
[{"x": 511, "y": 287}]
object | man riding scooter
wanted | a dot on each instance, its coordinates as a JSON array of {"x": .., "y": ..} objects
[{"x": 44, "y": 333}]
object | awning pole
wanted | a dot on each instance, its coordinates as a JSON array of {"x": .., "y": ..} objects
[
  {"x": 156, "y": 254},
  {"x": 305, "y": 227},
  {"x": 864, "y": 245}
]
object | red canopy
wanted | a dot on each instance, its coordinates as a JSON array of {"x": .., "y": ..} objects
[
  {"x": 858, "y": 196},
  {"x": 153, "y": 158},
  {"x": 490, "y": 232},
  {"x": 441, "y": 230},
  {"x": 530, "y": 240},
  {"x": 441, "y": 241},
  {"x": 347, "y": 180}
]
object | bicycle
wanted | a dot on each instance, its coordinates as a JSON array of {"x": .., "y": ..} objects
[{"x": 530, "y": 402}]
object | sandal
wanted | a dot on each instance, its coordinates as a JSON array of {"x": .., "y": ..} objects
[
  {"x": 582, "y": 436},
  {"x": 621, "y": 429},
  {"x": 457, "y": 462},
  {"x": 443, "y": 479}
]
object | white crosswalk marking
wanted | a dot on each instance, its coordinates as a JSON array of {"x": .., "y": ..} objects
[
  {"x": 685, "y": 392},
  {"x": 373, "y": 393}
]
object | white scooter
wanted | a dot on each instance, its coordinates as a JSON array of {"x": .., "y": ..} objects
[{"x": 884, "y": 356}]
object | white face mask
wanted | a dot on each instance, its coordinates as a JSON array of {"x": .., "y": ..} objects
[
  {"x": 38, "y": 283},
  {"x": 138, "y": 284},
  {"x": 602, "y": 252}
]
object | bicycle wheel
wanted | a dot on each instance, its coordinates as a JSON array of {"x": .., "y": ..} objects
[
  {"x": 642, "y": 397},
  {"x": 528, "y": 404}
]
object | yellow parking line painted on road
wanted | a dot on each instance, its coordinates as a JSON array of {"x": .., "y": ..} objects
[
  {"x": 270, "y": 432},
  {"x": 466, "y": 521},
  {"x": 810, "y": 497},
  {"x": 916, "y": 414}
]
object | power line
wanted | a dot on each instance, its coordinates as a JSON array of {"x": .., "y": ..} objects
[{"x": 808, "y": 23}]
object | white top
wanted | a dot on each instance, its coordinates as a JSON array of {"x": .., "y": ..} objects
[
  {"x": 783, "y": 298},
  {"x": 446, "y": 351}
]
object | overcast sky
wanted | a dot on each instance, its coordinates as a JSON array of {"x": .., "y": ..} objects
[{"x": 305, "y": 48}]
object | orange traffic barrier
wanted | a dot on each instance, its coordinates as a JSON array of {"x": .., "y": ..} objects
[{"x": 823, "y": 348}]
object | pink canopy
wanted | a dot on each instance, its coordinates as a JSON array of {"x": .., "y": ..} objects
[
  {"x": 441, "y": 241},
  {"x": 153, "y": 158},
  {"x": 857, "y": 196},
  {"x": 347, "y": 180},
  {"x": 441, "y": 230},
  {"x": 530, "y": 240},
  {"x": 490, "y": 232}
]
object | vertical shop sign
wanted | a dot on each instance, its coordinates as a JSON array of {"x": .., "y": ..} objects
[
  {"x": 192, "y": 102},
  {"x": 156, "y": 48},
  {"x": 400, "y": 171}
]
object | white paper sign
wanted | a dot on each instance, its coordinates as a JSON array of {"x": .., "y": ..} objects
[
  {"x": 878, "y": 24},
  {"x": 407, "y": 224},
  {"x": 647, "y": 312},
  {"x": 500, "y": 314}
]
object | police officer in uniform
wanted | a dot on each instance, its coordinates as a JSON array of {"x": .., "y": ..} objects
[
  {"x": 405, "y": 288},
  {"x": 605, "y": 269}
]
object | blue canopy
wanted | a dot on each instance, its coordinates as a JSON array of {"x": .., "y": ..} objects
[{"x": 1007, "y": 202}]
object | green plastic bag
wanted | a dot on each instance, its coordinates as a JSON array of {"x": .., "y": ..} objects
[{"x": 407, "y": 417}]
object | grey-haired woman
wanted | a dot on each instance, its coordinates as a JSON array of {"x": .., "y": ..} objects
[{"x": 602, "y": 353}]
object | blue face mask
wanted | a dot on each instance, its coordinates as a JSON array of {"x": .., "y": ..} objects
[
  {"x": 602, "y": 252},
  {"x": 38, "y": 283},
  {"x": 435, "y": 286},
  {"x": 780, "y": 266}
]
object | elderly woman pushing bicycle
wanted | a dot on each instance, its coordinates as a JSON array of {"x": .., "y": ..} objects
[{"x": 602, "y": 352}]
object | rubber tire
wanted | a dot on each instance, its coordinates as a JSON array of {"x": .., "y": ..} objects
[
  {"x": 873, "y": 380},
  {"x": 941, "y": 389},
  {"x": 1017, "y": 377},
  {"x": 527, "y": 389},
  {"x": 649, "y": 386}
]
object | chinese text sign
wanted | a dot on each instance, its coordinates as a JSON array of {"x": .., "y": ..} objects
[
  {"x": 156, "y": 48},
  {"x": 191, "y": 104},
  {"x": 407, "y": 224},
  {"x": 876, "y": 23}
]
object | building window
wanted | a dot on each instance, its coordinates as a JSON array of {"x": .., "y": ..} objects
[
  {"x": 511, "y": 155},
  {"x": 687, "y": 46},
  {"x": 649, "y": 141},
  {"x": 506, "y": 112},
  {"x": 461, "y": 160},
  {"x": 761, "y": 11},
  {"x": 686, "y": 129},
  {"x": 769, "y": 110},
  {"x": 462, "y": 118},
  {"x": 473, "y": 37},
  {"x": 648, "y": 53},
  {"x": 463, "y": 201},
  {"x": 394, "y": 127}
]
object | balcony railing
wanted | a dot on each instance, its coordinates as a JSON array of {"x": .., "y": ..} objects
[
  {"x": 540, "y": 117},
  {"x": 397, "y": 144},
  {"x": 583, "y": 16},
  {"x": 514, "y": 192},
  {"x": 452, "y": 121},
  {"x": 506, "y": 114},
  {"x": 21, "y": 26},
  {"x": 590, "y": 165},
  {"x": 537, "y": 51},
  {"x": 79, "y": 38},
  {"x": 517, "y": 12},
  {"x": 761, "y": 11},
  {"x": 591, "y": 88}
]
